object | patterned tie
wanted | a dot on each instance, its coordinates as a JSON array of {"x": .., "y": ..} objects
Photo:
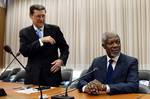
[
  {"x": 109, "y": 72},
  {"x": 39, "y": 32}
]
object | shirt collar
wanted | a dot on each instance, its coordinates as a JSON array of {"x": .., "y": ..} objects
[
  {"x": 114, "y": 59},
  {"x": 35, "y": 28}
]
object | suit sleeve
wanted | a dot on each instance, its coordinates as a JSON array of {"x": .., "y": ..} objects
[
  {"x": 28, "y": 47},
  {"x": 63, "y": 46},
  {"x": 132, "y": 80}
]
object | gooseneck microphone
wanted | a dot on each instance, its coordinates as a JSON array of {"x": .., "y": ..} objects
[
  {"x": 2, "y": 91},
  {"x": 8, "y": 50},
  {"x": 66, "y": 90}
]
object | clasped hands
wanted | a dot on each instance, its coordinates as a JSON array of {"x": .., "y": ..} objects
[{"x": 95, "y": 87}]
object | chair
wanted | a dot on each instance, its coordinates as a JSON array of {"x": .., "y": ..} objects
[
  {"x": 144, "y": 75},
  {"x": 5, "y": 74},
  {"x": 11, "y": 75},
  {"x": 83, "y": 72},
  {"x": 66, "y": 76},
  {"x": 19, "y": 76}
]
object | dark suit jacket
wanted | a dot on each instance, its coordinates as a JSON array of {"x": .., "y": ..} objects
[
  {"x": 40, "y": 58},
  {"x": 125, "y": 76}
]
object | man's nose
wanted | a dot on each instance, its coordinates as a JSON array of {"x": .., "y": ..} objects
[{"x": 115, "y": 44}]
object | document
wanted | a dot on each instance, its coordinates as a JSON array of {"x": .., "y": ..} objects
[{"x": 27, "y": 90}]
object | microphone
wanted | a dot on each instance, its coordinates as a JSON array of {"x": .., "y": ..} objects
[
  {"x": 66, "y": 90},
  {"x": 2, "y": 91},
  {"x": 8, "y": 50},
  {"x": 18, "y": 53}
]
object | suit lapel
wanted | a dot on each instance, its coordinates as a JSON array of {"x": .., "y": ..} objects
[
  {"x": 33, "y": 34},
  {"x": 118, "y": 67},
  {"x": 47, "y": 30},
  {"x": 104, "y": 68}
]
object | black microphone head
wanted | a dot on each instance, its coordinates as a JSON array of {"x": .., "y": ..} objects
[
  {"x": 7, "y": 49},
  {"x": 18, "y": 53}
]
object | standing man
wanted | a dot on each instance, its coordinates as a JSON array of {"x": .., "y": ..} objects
[
  {"x": 117, "y": 73},
  {"x": 40, "y": 43}
]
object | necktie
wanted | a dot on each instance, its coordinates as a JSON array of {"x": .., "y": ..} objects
[
  {"x": 39, "y": 32},
  {"x": 109, "y": 72}
]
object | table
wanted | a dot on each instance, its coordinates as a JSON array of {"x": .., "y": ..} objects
[{"x": 11, "y": 88}]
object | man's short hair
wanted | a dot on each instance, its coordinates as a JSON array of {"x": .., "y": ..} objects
[
  {"x": 107, "y": 35},
  {"x": 36, "y": 7}
]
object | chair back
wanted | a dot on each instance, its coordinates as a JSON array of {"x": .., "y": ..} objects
[
  {"x": 20, "y": 76},
  {"x": 67, "y": 74},
  {"x": 144, "y": 77},
  {"x": 5, "y": 74}
]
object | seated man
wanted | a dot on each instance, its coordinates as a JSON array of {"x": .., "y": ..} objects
[{"x": 117, "y": 73}]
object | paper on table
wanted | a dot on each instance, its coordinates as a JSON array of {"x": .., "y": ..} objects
[
  {"x": 144, "y": 82},
  {"x": 27, "y": 91}
]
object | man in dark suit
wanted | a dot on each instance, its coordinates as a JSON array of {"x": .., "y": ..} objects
[
  {"x": 117, "y": 73},
  {"x": 40, "y": 43}
]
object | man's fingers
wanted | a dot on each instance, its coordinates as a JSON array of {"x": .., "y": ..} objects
[
  {"x": 55, "y": 68},
  {"x": 48, "y": 39},
  {"x": 51, "y": 40},
  {"x": 56, "y": 65}
]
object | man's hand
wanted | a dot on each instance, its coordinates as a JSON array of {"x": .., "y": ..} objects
[
  {"x": 94, "y": 87},
  {"x": 56, "y": 65},
  {"x": 48, "y": 39}
]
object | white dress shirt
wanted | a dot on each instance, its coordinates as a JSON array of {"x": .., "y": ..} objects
[{"x": 42, "y": 31}]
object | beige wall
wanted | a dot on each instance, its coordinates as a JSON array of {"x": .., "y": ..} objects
[{"x": 2, "y": 32}]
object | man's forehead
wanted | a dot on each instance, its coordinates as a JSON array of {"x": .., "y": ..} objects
[
  {"x": 39, "y": 11},
  {"x": 113, "y": 38}
]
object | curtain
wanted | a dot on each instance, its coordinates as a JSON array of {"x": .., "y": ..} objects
[{"x": 82, "y": 23}]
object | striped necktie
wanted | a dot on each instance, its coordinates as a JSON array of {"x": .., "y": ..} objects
[{"x": 109, "y": 72}]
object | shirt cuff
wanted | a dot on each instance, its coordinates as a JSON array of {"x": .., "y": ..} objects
[
  {"x": 83, "y": 88},
  {"x": 41, "y": 43},
  {"x": 107, "y": 89}
]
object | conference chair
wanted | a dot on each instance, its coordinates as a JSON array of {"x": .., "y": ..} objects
[
  {"x": 20, "y": 76},
  {"x": 66, "y": 76},
  {"x": 144, "y": 81},
  {"x": 83, "y": 72},
  {"x": 74, "y": 84},
  {"x": 11, "y": 75},
  {"x": 5, "y": 75}
]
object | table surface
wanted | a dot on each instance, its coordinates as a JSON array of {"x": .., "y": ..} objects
[{"x": 11, "y": 88}]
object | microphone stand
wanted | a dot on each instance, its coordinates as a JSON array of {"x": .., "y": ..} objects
[
  {"x": 8, "y": 49},
  {"x": 2, "y": 91},
  {"x": 10, "y": 64},
  {"x": 7, "y": 66},
  {"x": 66, "y": 91},
  {"x": 41, "y": 97},
  {"x": 18, "y": 61}
]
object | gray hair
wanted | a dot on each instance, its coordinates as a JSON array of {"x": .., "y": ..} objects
[{"x": 107, "y": 35}]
